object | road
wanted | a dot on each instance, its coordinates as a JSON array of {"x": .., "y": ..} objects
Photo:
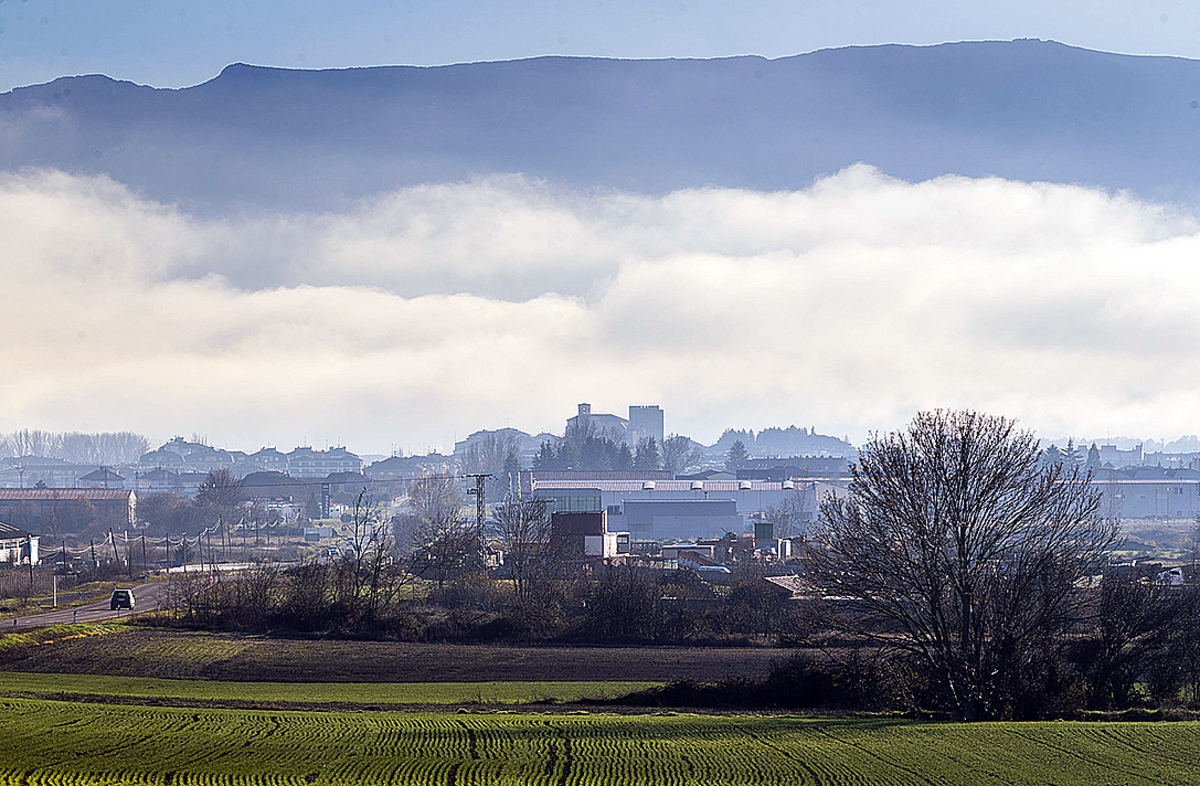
[{"x": 146, "y": 596}]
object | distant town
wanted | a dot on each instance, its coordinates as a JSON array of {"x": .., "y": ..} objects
[{"x": 655, "y": 488}]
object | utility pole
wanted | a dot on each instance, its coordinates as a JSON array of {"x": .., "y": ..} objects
[
  {"x": 480, "y": 509},
  {"x": 94, "y": 563},
  {"x": 112, "y": 540}
]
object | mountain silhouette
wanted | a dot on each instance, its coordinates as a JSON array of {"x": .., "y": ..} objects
[{"x": 256, "y": 137}]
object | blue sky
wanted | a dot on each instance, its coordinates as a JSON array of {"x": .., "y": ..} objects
[{"x": 171, "y": 43}]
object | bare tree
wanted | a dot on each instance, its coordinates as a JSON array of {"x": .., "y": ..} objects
[
  {"x": 793, "y": 514},
  {"x": 218, "y": 502},
  {"x": 27, "y": 442},
  {"x": 524, "y": 526},
  {"x": 367, "y": 579},
  {"x": 431, "y": 529},
  {"x": 221, "y": 491},
  {"x": 680, "y": 454},
  {"x": 492, "y": 454},
  {"x": 119, "y": 447},
  {"x": 623, "y": 603},
  {"x": 1192, "y": 544},
  {"x": 957, "y": 545},
  {"x": 1183, "y": 653},
  {"x": 1133, "y": 621}
]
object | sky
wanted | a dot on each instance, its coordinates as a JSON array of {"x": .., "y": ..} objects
[
  {"x": 436, "y": 310},
  {"x": 174, "y": 44},
  {"x": 424, "y": 314}
]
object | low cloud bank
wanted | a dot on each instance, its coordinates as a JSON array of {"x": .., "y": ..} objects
[{"x": 436, "y": 310}]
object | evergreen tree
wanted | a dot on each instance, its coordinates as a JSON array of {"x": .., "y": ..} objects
[
  {"x": 1071, "y": 456},
  {"x": 569, "y": 455},
  {"x": 736, "y": 456},
  {"x": 512, "y": 463},
  {"x": 597, "y": 453},
  {"x": 546, "y": 457},
  {"x": 646, "y": 456},
  {"x": 624, "y": 458},
  {"x": 1052, "y": 455}
]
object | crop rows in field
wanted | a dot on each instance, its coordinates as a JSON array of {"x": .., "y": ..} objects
[
  {"x": 58, "y": 743},
  {"x": 49, "y": 685},
  {"x": 12, "y": 640},
  {"x": 189, "y": 648}
]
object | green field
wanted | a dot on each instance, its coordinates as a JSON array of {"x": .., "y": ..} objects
[
  {"x": 48, "y": 742},
  {"x": 365, "y": 693},
  {"x": 137, "y": 710}
]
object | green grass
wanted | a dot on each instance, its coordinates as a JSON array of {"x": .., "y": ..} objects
[
  {"x": 27, "y": 637},
  {"x": 366, "y": 693},
  {"x": 48, "y": 742}
]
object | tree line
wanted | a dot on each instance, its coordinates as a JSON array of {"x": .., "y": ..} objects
[
  {"x": 112, "y": 448},
  {"x": 587, "y": 446}
]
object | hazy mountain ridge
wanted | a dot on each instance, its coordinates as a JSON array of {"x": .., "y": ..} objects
[{"x": 1028, "y": 110}]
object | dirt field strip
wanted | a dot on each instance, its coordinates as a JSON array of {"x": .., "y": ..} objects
[{"x": 138, "y": 652}]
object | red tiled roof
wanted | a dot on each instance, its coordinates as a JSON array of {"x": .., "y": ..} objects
[
  {"x": 659, "y": 485},
  {"x": 50, "y": 494},
  {"x": 793, "y": 584},
  {"x": 594, "y": 476}
]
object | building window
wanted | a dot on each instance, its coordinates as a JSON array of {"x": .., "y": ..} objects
[{"x": 570, "y": 503}]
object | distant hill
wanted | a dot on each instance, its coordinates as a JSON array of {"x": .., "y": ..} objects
[
  {"x": 267, "y": 137},
  {"x": 790, "y": 441}
]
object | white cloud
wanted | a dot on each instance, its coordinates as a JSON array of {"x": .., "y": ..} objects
[{"x": 437, "y": 310}]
